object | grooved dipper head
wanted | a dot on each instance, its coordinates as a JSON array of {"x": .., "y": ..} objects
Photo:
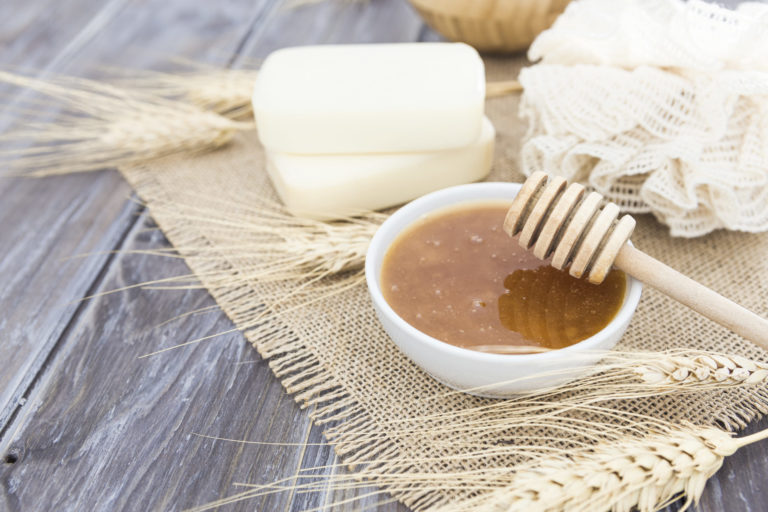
[{"x": 568, "y": 225}]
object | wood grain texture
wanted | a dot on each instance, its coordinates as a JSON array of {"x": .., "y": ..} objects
[
  {"x": 333, "y": 22},
  {"x": 105, "y": 430},
  {"x": 49, "y": 220},
  {"x": 99, "y": 428},
  {"x": 46, "y": 221}
]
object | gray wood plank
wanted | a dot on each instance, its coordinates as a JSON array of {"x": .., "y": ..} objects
[
  {"x": 49, "y": 220},
  {"x": 104, "y": 429},
  {"x": 45, "y": 221},
  {"x": 334, "y": 22},
  {"x": 37, "y": 35},
  {"x": 40, "y": 287}
]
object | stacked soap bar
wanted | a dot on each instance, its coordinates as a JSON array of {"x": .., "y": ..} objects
[{"x": 360, "y": 127}]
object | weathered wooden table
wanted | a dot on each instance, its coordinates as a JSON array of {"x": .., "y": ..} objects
[{"x": 84, "y": 423}]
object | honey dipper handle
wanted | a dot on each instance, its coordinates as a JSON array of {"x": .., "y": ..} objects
[{"x": 694, "y": 295}]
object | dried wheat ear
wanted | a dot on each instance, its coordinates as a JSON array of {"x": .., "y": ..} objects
[
  {"x": 705, "y": 368},
  {"x": 99, "y": 126},
  {"x": 644, "y": 473}
]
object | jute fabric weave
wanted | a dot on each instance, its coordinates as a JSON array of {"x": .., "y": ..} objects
[{"x": 334, "y": 355}]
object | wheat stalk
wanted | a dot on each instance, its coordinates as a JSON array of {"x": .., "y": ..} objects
[
  {"x": 225, "y": 91},
  {"x": 622, "y": 473},
  {"x": 273, "y": 244},
  {"x": 703, "y": 369},
  {"x": 646, "y": 473},
  {"x": 606, "y": 397},
  {"x": 104, "y": 126},
  {"x": 502, "y": 88}
]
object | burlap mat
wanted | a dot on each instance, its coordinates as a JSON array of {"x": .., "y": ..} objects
[{"x": 335, "y": 355}]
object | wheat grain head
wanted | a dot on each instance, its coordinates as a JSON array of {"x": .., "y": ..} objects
[
  {"x": 225, "y": 91},
  {"x": 101, "y": 126},
  {"x": 643, "y": 472}
]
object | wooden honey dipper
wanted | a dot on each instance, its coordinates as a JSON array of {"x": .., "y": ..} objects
[{"x": 564, "y": 223}]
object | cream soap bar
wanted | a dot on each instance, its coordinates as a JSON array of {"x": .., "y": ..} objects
[
  {"x": 332, "y": 186},
  {"x": 375, "y": 98}
]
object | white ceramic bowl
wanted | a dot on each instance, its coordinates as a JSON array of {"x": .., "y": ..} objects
[{"x": 476, "y": 372}]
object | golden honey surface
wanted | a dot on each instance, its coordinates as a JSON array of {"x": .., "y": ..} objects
[{"x": 456, "y": 276}]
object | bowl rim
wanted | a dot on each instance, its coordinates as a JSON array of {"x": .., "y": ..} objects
[{"x": 415, "y": 210}]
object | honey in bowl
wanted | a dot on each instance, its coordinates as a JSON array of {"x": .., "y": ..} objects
[{"x": 456, "y": 276}]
